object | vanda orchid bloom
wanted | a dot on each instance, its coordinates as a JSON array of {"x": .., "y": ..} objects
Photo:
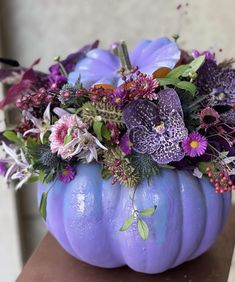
[
  {"x": 42, "y": 125},
  {"x": 19, "y": 168}
]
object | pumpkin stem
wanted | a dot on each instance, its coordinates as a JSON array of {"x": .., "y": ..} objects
[{"x": 123, "y": 55}]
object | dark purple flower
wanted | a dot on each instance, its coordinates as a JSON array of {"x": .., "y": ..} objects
[
  {"x": 67, "y": 174},
  {"x": 101, "y": 66},
  {"x": 228, "y": 117},
  {"x": 157, "y": 129},
  {"x": 216, "y": 83},
  {"x": 125, "y": 144}
]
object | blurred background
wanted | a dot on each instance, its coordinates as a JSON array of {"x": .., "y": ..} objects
[{"x": 31, "y": 29}]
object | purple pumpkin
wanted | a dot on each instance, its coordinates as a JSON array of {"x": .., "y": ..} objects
[{"x": 86, "y": 214}]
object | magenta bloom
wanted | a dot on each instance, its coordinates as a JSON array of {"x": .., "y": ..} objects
[
  {"x": 125, "y": 144},
  {"x": 144, "y": 86},
  {"x": 195, "y": 144},
  {"x": 67, "y": 174}
]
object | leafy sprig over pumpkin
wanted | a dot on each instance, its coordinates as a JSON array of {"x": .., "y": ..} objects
[{"x": 158, "y": 107}]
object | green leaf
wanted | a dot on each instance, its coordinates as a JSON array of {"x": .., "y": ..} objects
[
  {"x": 187, "y": 86},
  {"x": 11, "y": 136},
  {"x": 30, "y": 143},
  {"x": 128, "y": 222},
  {"x": 106, "y": 173},
  {"x": 196, "y": 63},
  {"x": 33, "y": 179},
  {"x": 106, "y": 133},
  {"x": 168, "y": 81},
  {"x": 178, "y": 71},
  {"x": 202, "y": 166},
  {"x": 148, "y": 212},
  {"x": 97, "y": 127},
  {"x": 166, "y": 166},
  {"x": 43, "y": 205},
  {"x": 143, "y": 229}
]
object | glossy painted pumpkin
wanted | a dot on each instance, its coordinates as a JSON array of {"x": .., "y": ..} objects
[{"x": 85, "y": 217}]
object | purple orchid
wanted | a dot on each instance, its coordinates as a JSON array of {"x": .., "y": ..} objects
[
  {"x": 157, "y": 129},
  {"x": 101, "y": 66},
  {"x": 217, "y": 83}
]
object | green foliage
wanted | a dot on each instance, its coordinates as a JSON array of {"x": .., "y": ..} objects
[
  {"x": 120, "y": 167},
  {"x": 128, "y": 222},
  {"x": 44, "y": 161},
  {"x": 187, "y": 86},
  {"x": 179, "y": 77},
  {"x": 148, "y": 212},
  {"x": 43, "y": 205},
  {"x": 144, "y": 165},
  {"x": 13, "y": 137},
  {"x": 143, "y": 229},
  {"x": 102, "y": 112}
]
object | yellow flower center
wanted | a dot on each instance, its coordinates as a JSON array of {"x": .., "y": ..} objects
[
  {"x": 65, "y": 172},
  {"x": 194, "y": 144},
  {"x": 130, "y": 144},
  {"x": 118, "y": 100}
]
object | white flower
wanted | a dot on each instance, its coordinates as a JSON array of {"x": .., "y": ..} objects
[
  {"x": 42, "y": 125},
  {"x": 19, "y": 167}
]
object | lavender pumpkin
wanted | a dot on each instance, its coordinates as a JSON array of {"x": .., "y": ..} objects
[{"x": 85, "y": 216}]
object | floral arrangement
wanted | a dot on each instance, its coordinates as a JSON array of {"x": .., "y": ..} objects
[{"x": 134, "y": 113}]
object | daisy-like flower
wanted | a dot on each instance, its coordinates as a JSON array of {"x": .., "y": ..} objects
[
  {"x": 125, "y": 144},
  {"x": 67, "y": 174},
  {"x": 69, "y": 137},
  {"x": 208, "y": 117},
  {"x": 41, "y": 125},
  {"x": 195, "y": 144}
]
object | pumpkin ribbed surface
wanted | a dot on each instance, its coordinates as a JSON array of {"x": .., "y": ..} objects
[{"x": 86, "y": 214}]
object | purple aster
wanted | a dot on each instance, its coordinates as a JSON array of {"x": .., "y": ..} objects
[
  {"x": 67, "y": 174},
  {"x": 195, "y": 144},
  {"x": 118, "y": 96},
  {"x": 3, "y": 168},
  {"x": 101, "y": 66},
  {"x": 157, "y": 129},
  {"x": 125, "y": 144},
  {"x": 217, "y": 83}
]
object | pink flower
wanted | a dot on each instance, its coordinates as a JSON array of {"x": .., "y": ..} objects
[
  {"x": 195, "y": 144},
  {"x": 69, "y": 137},
  {"x": 144, "y": 86},
  {"x": 65, "y": 130}
]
